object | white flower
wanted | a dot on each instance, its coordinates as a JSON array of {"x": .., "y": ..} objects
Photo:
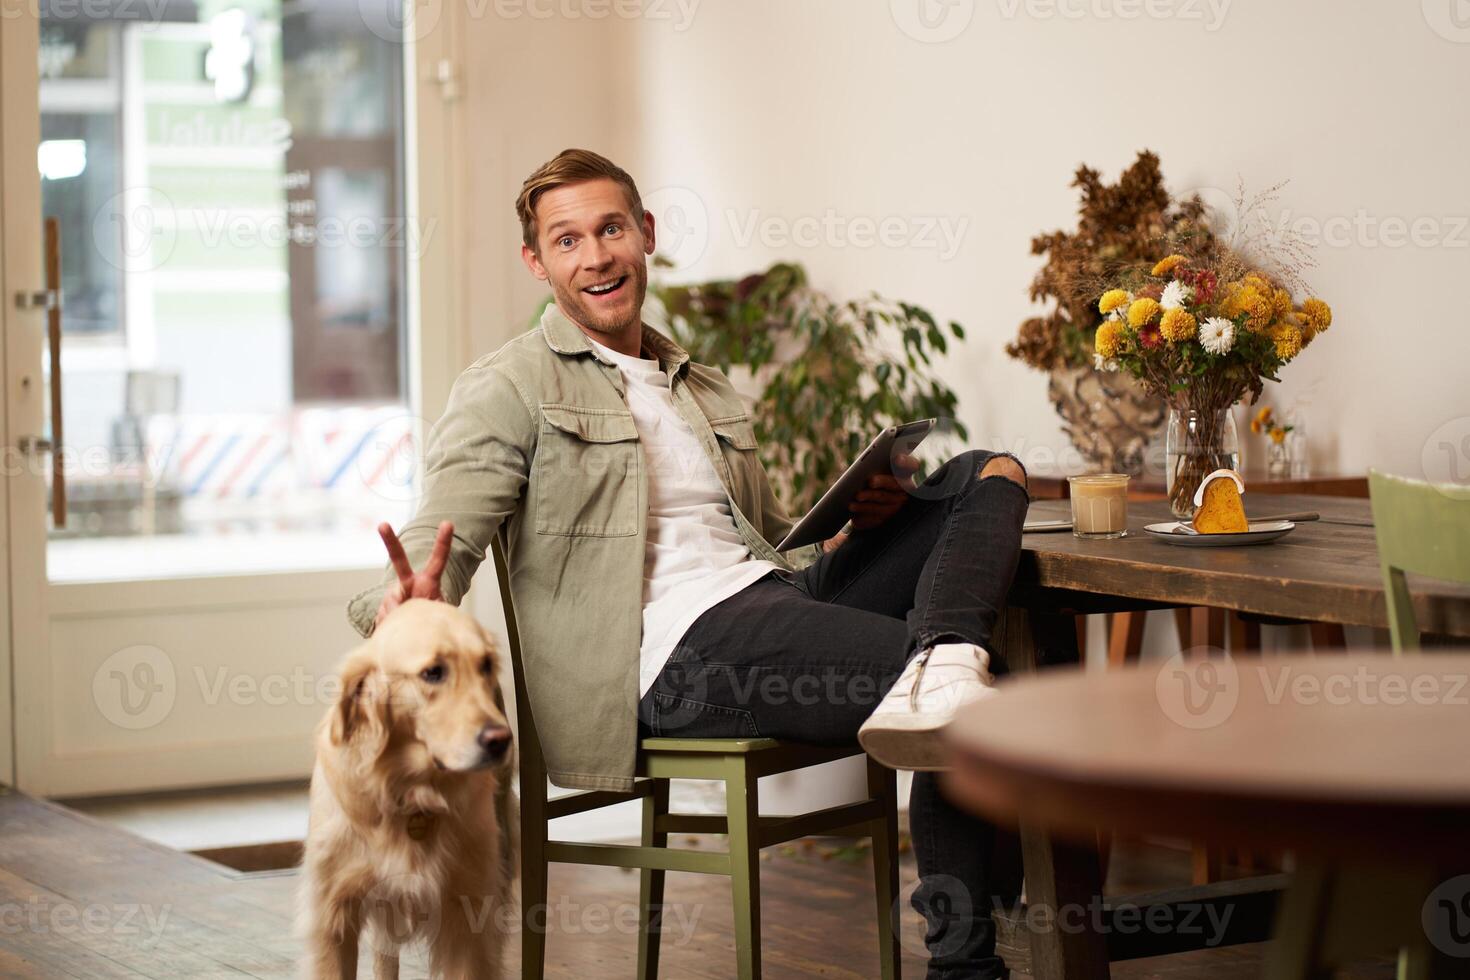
[
  {"x": 1101, "y": 363},
  {"x": 1176, "y": 294},
  {"x": 1217, "y": 335}
]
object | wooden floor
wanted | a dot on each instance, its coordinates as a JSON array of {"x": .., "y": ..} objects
[{"x": 81, "y": 899}]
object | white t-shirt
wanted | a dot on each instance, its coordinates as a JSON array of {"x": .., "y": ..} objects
[{"x": 695, "y": 557}]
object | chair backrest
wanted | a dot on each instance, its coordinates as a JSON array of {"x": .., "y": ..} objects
[
  {"x": 1423, "y": 529},
  {"x": 533, "y": 763}
]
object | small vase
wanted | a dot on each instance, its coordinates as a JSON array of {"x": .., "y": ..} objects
[
  {"x": 1196, "y": 444},
  {"x": 1278, "y": 460}
]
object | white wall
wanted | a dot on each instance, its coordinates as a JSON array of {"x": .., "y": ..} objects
[{"x": 775, "y": 110}]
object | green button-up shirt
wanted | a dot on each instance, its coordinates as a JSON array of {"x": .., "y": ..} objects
[{"x": 537, "y": 443}]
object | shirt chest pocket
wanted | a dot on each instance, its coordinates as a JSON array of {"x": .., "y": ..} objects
[
  {"x": 736, "y": 437},
  {"x": 586, "y": 472}
]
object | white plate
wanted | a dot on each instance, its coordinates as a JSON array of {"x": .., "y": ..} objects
[{"x": 1260, "y": 533}]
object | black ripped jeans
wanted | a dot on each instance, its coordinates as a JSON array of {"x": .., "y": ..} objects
[{"x": 806, "y": 656}]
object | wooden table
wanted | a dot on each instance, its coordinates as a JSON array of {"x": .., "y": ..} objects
[
  {"x": 1324, "y": 571},
  {"x": 1356, "y": 763},
  {"x": 1050, "y": 486}
]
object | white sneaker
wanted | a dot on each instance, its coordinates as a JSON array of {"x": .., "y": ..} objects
[{"x": 904, "y": 731}]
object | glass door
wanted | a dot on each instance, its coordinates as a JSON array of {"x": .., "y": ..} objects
[
  {"x": 229, "y": 186},
  {"x": 237, "y": 244}
]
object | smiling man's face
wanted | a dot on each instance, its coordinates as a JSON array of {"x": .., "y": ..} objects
[{"x": 593, "y": 252}]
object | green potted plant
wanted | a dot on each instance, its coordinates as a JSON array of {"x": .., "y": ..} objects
[{"x": 825, "y": 375}]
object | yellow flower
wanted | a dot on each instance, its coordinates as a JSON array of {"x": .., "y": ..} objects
[
  {"x": 1288, "y": 342},
  {"x": 1317, "y": 313},
  {"x": 1111, "y": 300},
  {"x": 1142, "y": 311},
  {"x": 1254, "y": 304},
  {"x": 1278, "y": 436},
  {"x": 1178, "y": 325},
  {"x": 1109, "y": 339},
  {"x": 1167, "y": 265},
  {"x": 1280, "y": 302},
  {"x": 1262, "y": 419}
]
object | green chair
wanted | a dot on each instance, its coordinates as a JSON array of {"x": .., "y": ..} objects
[
  {"x": 1422, "y": 528},
  {"x": 738, "y": 763}
]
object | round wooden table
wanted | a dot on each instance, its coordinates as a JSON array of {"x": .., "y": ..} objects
[{"x": 1359, "y": 764}]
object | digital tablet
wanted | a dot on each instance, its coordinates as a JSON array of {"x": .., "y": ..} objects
[{"x": 830, "y": 513}]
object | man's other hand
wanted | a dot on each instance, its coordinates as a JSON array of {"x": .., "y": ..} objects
[
  {"x": 884, "y": 494},
  {"x": 423, "y": 584}
]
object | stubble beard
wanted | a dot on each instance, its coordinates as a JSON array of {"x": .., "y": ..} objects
[{"x": 573, "y": 304}]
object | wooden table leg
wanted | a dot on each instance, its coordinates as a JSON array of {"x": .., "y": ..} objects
[
  {"x": 1245, "y": 635},
  {"x": 1064, "y": 880},
  {"x": 1061, "y": 877},
  {"x": 1207, "y": 627}
]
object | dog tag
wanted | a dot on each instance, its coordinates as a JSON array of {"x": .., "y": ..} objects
[{"x": 419, "y": 824}]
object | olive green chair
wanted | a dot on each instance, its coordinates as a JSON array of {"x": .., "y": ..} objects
[
  {"x": 738, "y": 763},
  {"x": 1423, "y": 529}
]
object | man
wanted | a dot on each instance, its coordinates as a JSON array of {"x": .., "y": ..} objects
[{"x": 640, "y": 531}]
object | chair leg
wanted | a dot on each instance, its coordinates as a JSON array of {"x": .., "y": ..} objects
[
  {"x": 1328, "y": 637},
  {"x": 533, "y": 883},
  {"x": 742, "y": 812},
  {"x": 883, "y": 785},
  {"x": 651, "y": 884},
  {"x": 1125, "y": 638}
]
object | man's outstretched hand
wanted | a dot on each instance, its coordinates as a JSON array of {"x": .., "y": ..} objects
[{"x": 423, "y": 584}]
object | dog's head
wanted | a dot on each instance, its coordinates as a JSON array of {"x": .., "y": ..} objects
[{"x": 427, "y": 676}]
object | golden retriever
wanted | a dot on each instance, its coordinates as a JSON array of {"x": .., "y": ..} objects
[{"x": 413, "y": 823}]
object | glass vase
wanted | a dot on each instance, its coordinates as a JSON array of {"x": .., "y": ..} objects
[
  {"x": 1196, "y": 443},
  {"x": 1278, "y": 459}
]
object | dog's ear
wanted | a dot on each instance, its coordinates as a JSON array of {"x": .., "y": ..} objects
[{"x": 362, "y": 701}]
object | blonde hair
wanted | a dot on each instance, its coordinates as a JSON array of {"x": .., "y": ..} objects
[{"x": 571, "y": 166}]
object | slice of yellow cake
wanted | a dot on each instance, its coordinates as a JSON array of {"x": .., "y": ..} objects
[{"x": 1217, "y": 505}]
